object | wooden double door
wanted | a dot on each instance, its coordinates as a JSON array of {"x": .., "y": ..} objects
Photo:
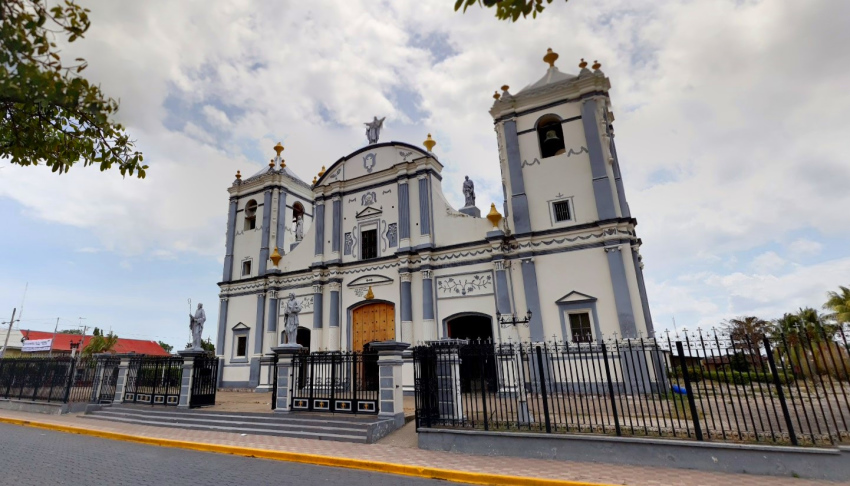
[{"x": 370, "y": 323}]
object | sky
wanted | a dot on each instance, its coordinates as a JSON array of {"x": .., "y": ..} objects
[{"x": 730, "y": 128}]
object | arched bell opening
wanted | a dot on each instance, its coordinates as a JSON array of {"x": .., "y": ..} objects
[{"x": 551, "y": 136}]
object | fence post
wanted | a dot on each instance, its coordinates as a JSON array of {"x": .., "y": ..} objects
[
  {"x": 689, "y": 390},
  {"x": 188, "y": 355},
  {"x": 543, "y": 389},
  {"x": 448, "y": 378},
  {"x": 71, "y": 368},
  {"x": 791, "y": 434},
  {"x": 610, "y": 387},
  {"x": 285, "y": 355},
  {"x": 121, "y": 381},
  {"x": 391, "y": 401}
]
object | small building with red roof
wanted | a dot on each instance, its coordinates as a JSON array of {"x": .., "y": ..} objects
[{"x": 62, "y": 344}]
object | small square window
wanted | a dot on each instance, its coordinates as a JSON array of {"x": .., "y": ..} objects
[
  {"x": 369, "y": 244},
  {"x": 580, "y": 328},
  {"x": 561, "y": 211},
  {"x": 241, "y": 346},
  {"x": 246, "y": 268}
]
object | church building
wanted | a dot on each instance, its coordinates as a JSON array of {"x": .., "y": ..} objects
[{"x": 371, "y": 250}]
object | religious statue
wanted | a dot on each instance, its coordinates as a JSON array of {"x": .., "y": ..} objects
[
  {"x": 469, "y": 192},
  {"x": 299, "y": 228},
  {"x": 373, "y": 129},
  {"x": 291, "y": 310},
  {"x": 196, "y": 325}
]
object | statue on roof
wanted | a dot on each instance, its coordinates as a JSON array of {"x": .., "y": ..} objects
[
  {"x": 373, "y": 129},
  {"x": 469, "y": 192}
]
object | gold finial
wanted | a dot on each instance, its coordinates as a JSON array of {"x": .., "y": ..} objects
[
  {"x": 370, "y": 295},
  {"x": 596, "y": 65},
  {"x": 271, "y": 163},
  {"x": 278, "y": 148},
  {"x": 429, "y": 143},
  {"x": 496, "y": 95},
  {"x": 275, "y": 257},
  {"x": 315, "y": 179},
  {"x": 494, "y": 215},
  {"x": 582, "y": 64},
  {"x": 238, "y": 175},
  {"x": 505, "y": 87},
  {"x": 550, "y": 57},
  {"x": 322, "y": 172}
]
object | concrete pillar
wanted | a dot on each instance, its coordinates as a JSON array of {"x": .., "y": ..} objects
[
  {"x": 188, "y": 356},
  {"x": 390, "y": 362},
  {"x": 283, "y": 394},
  {"x": 448, "y": 378},
  {"x": 121, "y": 383}
]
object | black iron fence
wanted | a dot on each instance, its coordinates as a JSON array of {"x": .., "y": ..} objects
[
  {"x": 338, "y": 382},
  {"x": 789, "y": 388},
  {"x": 154, "y": 381},
  {"x": 61, "y": 379},
  {"x": 204, "y": 380}
]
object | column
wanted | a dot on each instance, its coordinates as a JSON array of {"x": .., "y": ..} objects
[
  {"x": 622, "y": 297},
  {"x": 189, "y": 356},
  {"x": 254, "y": 373},
  {"x": 267, "y": 221},
  {"x": 319, "y": 221},
  {"x": 336, "y": 226},
  {"x": 222, "y": 326},
  {"x": 391, "y": 403},
  {"x": 282, "y": 223},
  {"x": 231, "y": 235},
  {"x": 274, "y": 312},
  {"x": 121, "y": 382},
  {"x": 406, "y": 306},
  {"x": 532, "y": 299},
  {"x": 428, "y": 325},
  {"x": 333, "y": 317},
  {"x": 317, "y": 305},
  {"x": 503, "y": 300},
  {"x": 403, "y": 215},
  {"x": 618, "y": 178},
  {"x": 519, "y": 201},
  {"x": 601, "y": 185},
  {"x": 283, "y": 393}
]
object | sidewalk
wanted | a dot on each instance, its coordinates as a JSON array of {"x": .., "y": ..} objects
[{"x": 400, "y": 448}]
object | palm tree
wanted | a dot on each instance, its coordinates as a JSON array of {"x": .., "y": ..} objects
[
  {"x": 839, "y": 304},
  {"x": 747, "y": 328},
  {"x": 101, "y": 344}
]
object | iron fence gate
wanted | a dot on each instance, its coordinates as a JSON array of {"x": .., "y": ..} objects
[
  {"x": 426, "y": 385},
  {"x": 154, "y": 381},
  {"x": 337, "y": 382},
  {"x": 204, "y": 375},
  {"x": 108, "y": 374}
]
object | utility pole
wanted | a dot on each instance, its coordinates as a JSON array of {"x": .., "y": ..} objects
[
  {"x": 9, "y": 331},
  {"x": 53, "y": 339}
]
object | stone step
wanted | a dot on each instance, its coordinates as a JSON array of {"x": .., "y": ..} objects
[
  {"x": 289, "y": 419},
  {"x": 330, "y": 433},
  {"x": 236, "y": 422}
]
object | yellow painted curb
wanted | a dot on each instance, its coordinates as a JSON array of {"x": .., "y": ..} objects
[{"x": 315, "y": 459}]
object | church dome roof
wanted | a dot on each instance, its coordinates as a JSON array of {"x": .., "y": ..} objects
[{"x": 553, "y": 75}]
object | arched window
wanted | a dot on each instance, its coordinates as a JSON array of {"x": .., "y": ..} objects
[
  {"x": 550, "y": 135},
  {"x": 251, "y": 215}
]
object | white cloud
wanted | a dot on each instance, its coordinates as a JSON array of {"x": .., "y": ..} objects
[
  {"x": 804, "y": 247},
  {"x": 768, "y": 263}
]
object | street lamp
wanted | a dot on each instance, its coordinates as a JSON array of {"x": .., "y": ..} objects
[{"x": 512, "y": 320}]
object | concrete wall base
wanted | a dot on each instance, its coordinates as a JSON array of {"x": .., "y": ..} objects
[
  {"x": 39, "y": 407},
  {"x": 803, "y": 462}
]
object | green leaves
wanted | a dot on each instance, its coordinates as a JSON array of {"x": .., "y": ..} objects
[
  {"x": 508, "y": 9},
  {"x": 48, "y": 113}
]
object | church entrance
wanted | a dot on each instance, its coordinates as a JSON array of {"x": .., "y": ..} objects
[
  {"x": 477, "y": 360},
  {"x": 370, "y": 323}
]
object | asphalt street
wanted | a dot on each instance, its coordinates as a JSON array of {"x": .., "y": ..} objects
[{"x": 37, "y": 457}]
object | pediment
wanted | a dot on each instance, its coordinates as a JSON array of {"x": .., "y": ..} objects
[
  {"x": 575, "y": 296},
  {"x": 368, "y": 212},
  {"x": 370, "y": 280},
  {"x": 239, "y": 327}
]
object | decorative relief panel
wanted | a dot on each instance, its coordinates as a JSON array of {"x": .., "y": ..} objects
[
  {"x": 348, "y": 243},
  {"x": 305, "y": 300},
  {"x": 392, "y": 234},
  {"x": 466, "y": 285}
]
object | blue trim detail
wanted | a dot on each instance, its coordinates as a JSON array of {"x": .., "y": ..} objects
[
  {"x": 279, "y": 239},
  {"x": 428, "y": 298},
  {"x": 320, "y": 229},
  {"x": 622, "y": 298},
  {"x": 231, "y": 235},
  {"x": 503, "y": 302},
  {"x": 222, "y": 326},
  {"x": 258, "y": 337},
  {"x": 519, "y": 204},
  {"x": 273, "y": 314},
  {"x": 264, "y": 244},
  {"x": 334, "y": 317},
  {"x": 337, "y": 225},
  {"x": 407, "y": 301},
  {"x": 601, "y": 185},
  {"x": 532, "y": 298},
  {"x": 404, "y": 211},
  {"x": 424, "y": 208},
  {"x": 318, "y": 302}
]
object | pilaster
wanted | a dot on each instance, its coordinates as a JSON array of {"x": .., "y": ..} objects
[{"x": 264, "y": 244}]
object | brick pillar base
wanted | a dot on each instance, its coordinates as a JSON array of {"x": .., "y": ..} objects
[
  {"x": 390, "y": 362},
  {"x": 284, "y": 354}
]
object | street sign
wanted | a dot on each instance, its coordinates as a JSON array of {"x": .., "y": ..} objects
[{"x": 34, "y": 345}]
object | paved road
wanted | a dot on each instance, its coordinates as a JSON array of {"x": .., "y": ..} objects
[{"x": 39, "y": 457}]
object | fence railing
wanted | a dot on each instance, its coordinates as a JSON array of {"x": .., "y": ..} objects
[
  {"x": 60, "y": 380},
  {"x": 789, "y": 388},
  {"x": 154, "y": 381},
  {"x": 339, "y": 382}
]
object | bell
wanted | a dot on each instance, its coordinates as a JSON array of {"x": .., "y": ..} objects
[{"x": 551, "y": 135}]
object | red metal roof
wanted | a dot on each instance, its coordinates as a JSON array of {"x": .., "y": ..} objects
[{"x": 62, "y": 342}]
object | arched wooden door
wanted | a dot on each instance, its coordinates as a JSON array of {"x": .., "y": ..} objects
[{"x": 372, "y": 322}]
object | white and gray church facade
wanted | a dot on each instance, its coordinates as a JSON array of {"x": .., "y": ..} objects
[{"x": 373, "y": 251}]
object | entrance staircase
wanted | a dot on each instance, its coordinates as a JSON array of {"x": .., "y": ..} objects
[{"x": 336, "y": 427}]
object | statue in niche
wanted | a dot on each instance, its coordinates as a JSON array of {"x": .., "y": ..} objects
[
  {"x": 469, "y": 192},
  {"x": 299, "y": 227},
  {"x": 290, "y": 326},
  {"x": 373, "y": 129},
  {"x": 196, "y": 325}
]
